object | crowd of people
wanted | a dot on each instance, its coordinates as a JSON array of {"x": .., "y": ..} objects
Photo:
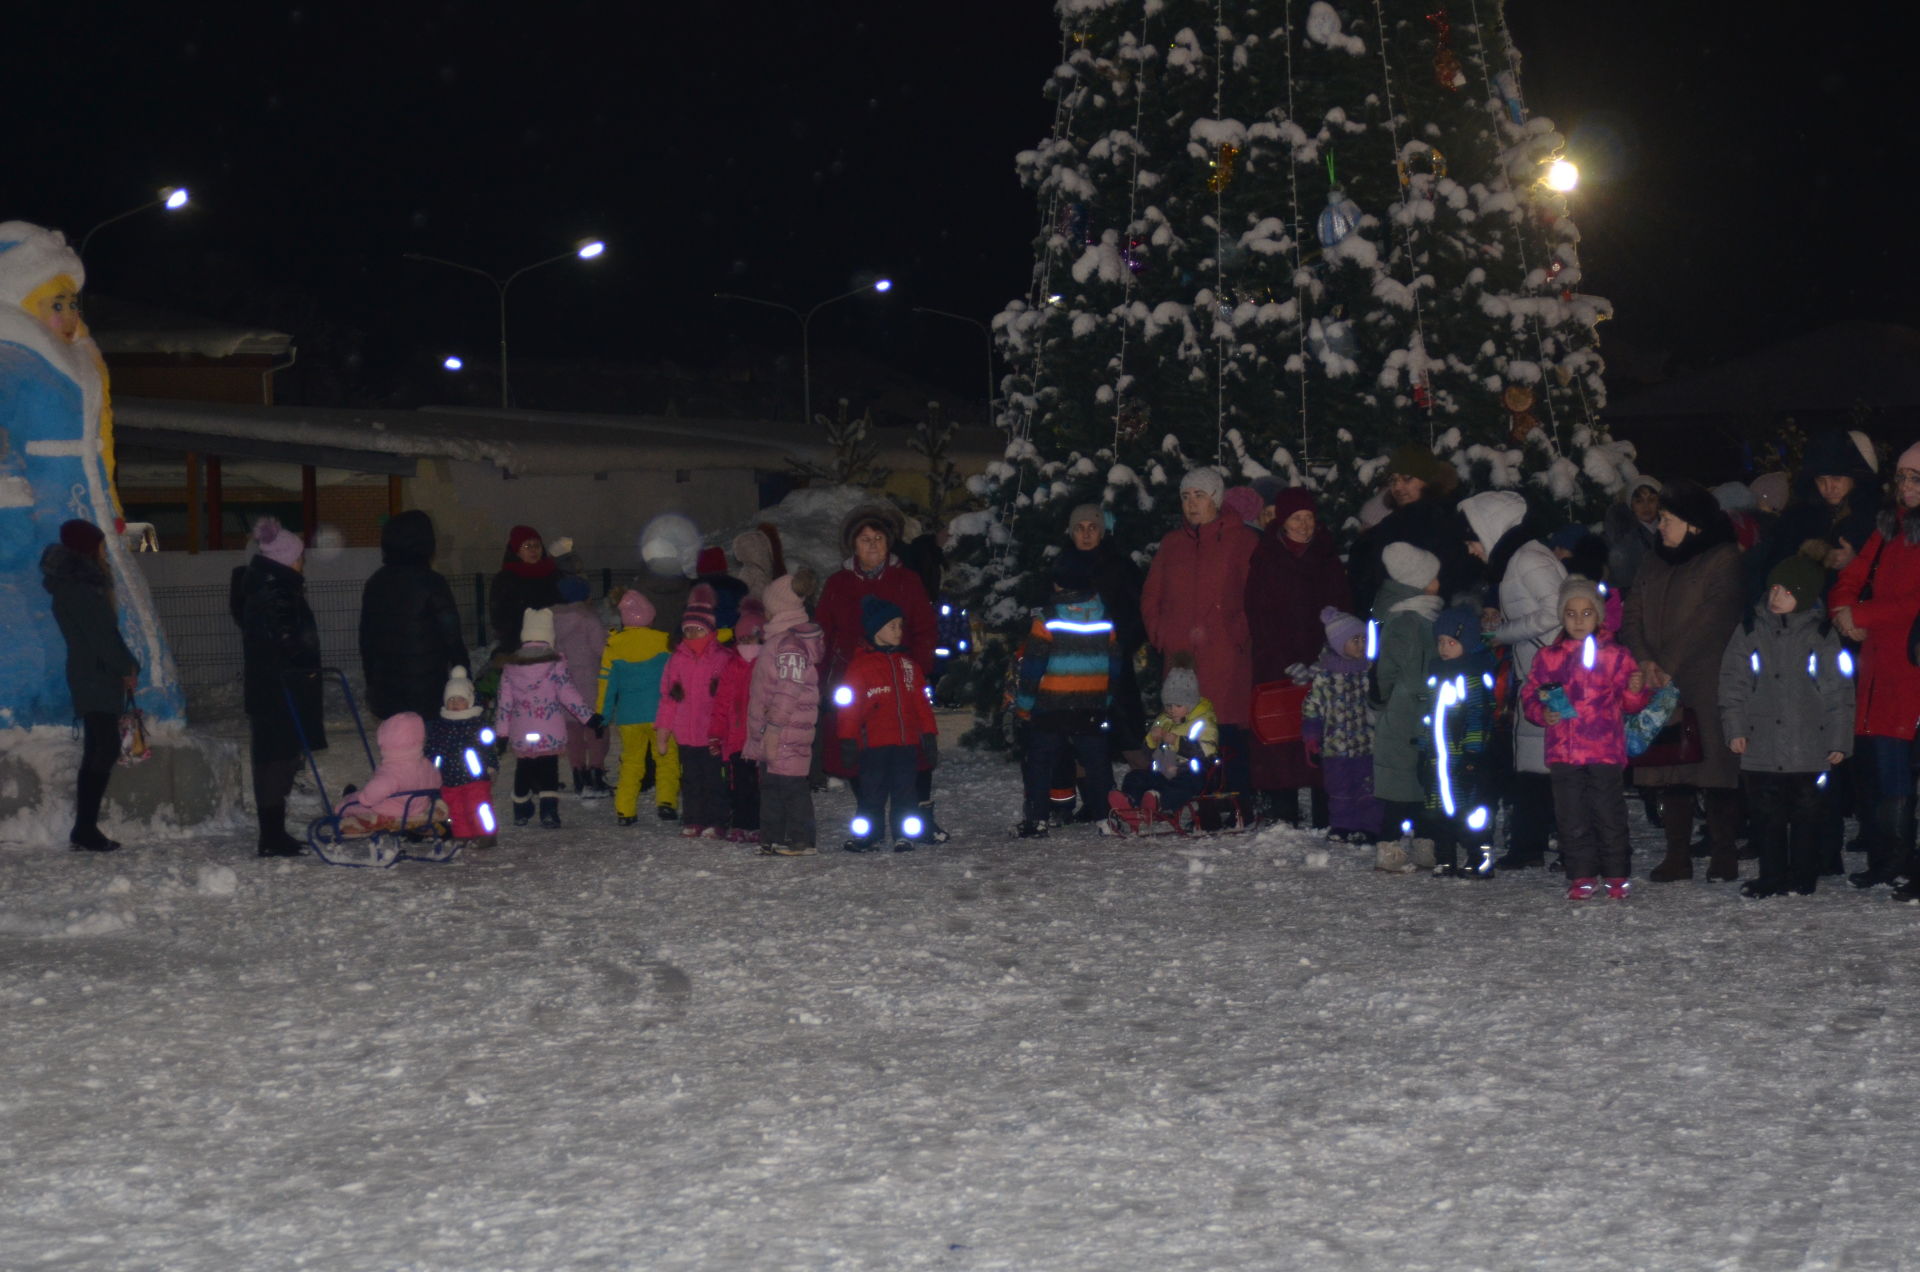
[{"x": 1742, "y": 656}]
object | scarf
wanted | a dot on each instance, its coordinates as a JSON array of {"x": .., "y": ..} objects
[{"x": 538, "y": 570}]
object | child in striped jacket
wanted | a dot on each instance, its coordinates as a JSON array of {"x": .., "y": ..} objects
[{"x": 1064, "y": 691}]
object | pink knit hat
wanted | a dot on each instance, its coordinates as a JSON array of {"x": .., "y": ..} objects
[
  {"x": 277, "y": 543},
  {"x": 635, "y": 609},
  {"x": 699, "y": 611}
]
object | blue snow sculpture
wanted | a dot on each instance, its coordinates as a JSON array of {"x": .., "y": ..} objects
[{"x": 55, "y": 436}]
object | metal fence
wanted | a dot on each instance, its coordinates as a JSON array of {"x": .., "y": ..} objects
[{"x": 199, "y": 624}]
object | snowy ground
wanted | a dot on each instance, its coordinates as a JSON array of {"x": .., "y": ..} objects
[{"x": 607, "y": 1049}]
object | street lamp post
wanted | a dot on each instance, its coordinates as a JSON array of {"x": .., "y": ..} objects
[
  {"x": 985, "y": 330},
  {"x": 172, "y": 198},
  {"x": 806, "y": 323},
  {"x": 586, "y": 250}
]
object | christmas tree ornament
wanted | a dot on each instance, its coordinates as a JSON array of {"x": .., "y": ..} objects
[
  {"x": 1519, "y": 399},
  {"x": 1509, "y": 89},
  {"x": 1446, "y": 63},
  {"x": 1422, "y": 395},
  {"x": 1224, "y": 163},
  {"x": 1132, "y": 419},
  {"x": 1134, "y": 254},
  {"x": 1340, "y": 218}
]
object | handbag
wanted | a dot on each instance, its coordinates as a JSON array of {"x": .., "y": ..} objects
[
  {"x": 1675, "y": 745},
  {"x": 133, "y": 735},
  {"x": 1276, "y": 711}
]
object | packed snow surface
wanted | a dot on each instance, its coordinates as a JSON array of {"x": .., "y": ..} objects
[{"x": 613, "y": 1048}]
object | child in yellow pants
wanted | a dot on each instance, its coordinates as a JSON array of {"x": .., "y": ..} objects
[{"x": 630, "y": 671}]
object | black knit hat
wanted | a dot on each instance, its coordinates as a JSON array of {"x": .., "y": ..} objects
[{"x": 1693, "y": 504}]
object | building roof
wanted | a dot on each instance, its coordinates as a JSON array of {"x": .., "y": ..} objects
[
  {"x": 527, "y": 443},
  {"x": 130, "y": 327},
  {"x": 1832, "y": 369}
]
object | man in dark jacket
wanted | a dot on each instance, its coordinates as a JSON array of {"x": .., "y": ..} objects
[
  {"x": 409, "y": 625},
  {"x": 100, "y": 668},
  {"x": 1420, "y": 488}
]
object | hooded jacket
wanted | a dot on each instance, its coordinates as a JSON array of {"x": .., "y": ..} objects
[
  {"x": 1785, "y": 688},
  {"x": 1406, "y": 649},
  {"x": 783, "y": 700},
  {"x": 409, "y": 625},
  {"x": 580, "y": 640},
  {"x": 403, "y": 767},
  {"x": 688, "y": 689},
  {"x": 536, "y": 696},
  {"x": 98, "y": 660},
  {"x": 1529, "y": 618},
  {"x": 1889, "y": 683},
  {"x": 631, "y": 664},
  {"x": 883, "y": 700},
  {"x": 1067, "y": 666}
]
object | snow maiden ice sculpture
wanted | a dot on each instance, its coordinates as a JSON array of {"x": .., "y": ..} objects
[{"x": 55, "y": 464}]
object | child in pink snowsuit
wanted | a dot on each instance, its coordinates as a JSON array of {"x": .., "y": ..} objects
[
  {"x": 1582, "y": 687},
  {"x": 783, "y": 710},
  {"x": 383, "y": 803},
  {"x": 536, "y": 697},
  {"x": 687, "y": 692}
]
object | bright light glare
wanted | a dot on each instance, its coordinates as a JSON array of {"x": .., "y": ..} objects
[
  {"x": 486, "y": 737},
  {"x": 843, "y": 696},
  {"x": 1562, "y": 175},
  {"x": 589, "y": 248},
  {"x": 486, "y": 818},
  {"x": 883, "y": 285},
  {"x": 860, "y": 827},
  {"x": 1477, "y": 819},
  {"x": 473, "y": 763},
  {"x": 453, "y": 363},
  {"x": 176, "y": 197},
  {"x": 912, "y": 826}
]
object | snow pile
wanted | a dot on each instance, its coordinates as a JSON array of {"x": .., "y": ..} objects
[{"x": 809, "y": 522}]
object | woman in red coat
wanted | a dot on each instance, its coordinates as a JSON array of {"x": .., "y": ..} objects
[
  {"x": 868, "y": 537},
  {"x": 1294, "y": 574},
  {"x": 1875, "y": 602},
  {"x": 1195, "y": 602}
]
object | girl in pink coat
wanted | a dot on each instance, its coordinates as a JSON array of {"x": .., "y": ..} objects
[
  {"x": 1582, "y": 688},
  {"x": 688, "y": 690},
  {"x": 580, "y": 637},
  {"x": 536, "y": 698},
  {"x": 783, "y": 711},
  {"x": 729, "y": 726},
  {"x": 404, "y": 767}
]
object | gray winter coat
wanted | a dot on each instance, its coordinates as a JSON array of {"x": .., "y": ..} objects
[
  {"x": 1400, "y": 675},
  {"x": 1529, "y": 617},
  {"x": 1785, "y": 690}
]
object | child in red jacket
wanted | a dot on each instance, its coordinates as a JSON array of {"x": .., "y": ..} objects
[
  {"x": 728, "y": 729},
  {"x": 886, "y": 727}
]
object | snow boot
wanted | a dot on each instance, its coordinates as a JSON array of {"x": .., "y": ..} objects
[
  {"x": 597, "y": 787},
  {"x": 621, "y": 819},
  {"x": 274, "y": 839},
  {"x": 1887, "y": 858},
  {"x": 863, "y": 844},
  {"x": 1764, "y": 887},
  {"x": 1619, "y": 889},
  {"x": 795, "y": 850},
  {"x": 579, "y": 783},
  {"x": 1030, "y": 830},
  {"x": 91, "y": 788},
  {"x": 550, "y": 812},
  {"x": 1582, "y": 889},
  {"x": 934, "y": 833},
  {"x": 523, "y": 812},
  {"x": 667, "y": 812}
]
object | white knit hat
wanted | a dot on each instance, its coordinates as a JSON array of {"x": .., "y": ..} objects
[
  {"x": 459, "y": 686},
  {"x": 1207, "y": 480},
  {"x": 1415, "y": 567},
  {"x": 537, "y": 624}
]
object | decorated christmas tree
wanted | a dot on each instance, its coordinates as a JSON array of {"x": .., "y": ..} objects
[{"x": 1284, "y": 239}]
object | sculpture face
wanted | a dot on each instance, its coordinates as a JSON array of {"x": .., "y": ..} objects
[{"x": 56, "y": 303}]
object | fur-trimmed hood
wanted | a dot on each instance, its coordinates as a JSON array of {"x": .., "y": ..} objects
[{"x": 61, "y": 565}]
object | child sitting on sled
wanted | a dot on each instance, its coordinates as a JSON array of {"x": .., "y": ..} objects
[
  {"x": 386, "y": 802},
  {"x": 1182, "y": 741}
]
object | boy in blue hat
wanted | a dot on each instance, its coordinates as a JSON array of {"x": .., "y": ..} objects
[{"x": 886, "y": 730}]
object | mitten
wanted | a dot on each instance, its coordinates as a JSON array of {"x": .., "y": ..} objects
[
  {"x": 598, "y": 723},
  {"x": 1313, "y": 749}
]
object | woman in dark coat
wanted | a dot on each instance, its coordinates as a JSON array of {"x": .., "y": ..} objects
[
  {"x": 1295, "y": 573},
  {"x": 528, "y": 579},
  {"x": 280, "y": 644},
  {"x": 409, "y": 624},
  {"x": 100, "y": 668},
  {"x": 1682, "y": 611}
]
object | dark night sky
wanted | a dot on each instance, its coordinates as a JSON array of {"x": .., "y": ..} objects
[{"x": 1744, "y": 179}]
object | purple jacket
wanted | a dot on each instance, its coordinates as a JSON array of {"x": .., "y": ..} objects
[
  {"x": 1597, "y": 733},
  {"x": 536, "y": 697},
  {"x": 783, "y": 704},
  {"x": 687, "y": 690},
  {"x": 580, "y": 637}
]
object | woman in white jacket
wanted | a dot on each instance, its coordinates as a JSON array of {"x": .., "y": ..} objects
[{"x": 1529, "y": 576}]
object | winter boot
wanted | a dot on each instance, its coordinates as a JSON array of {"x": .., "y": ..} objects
[
  {"x": 932, "y": 832},
  {"x": 1764, "y": 887},
  {"x": 668, "y": 812},
  {"x": 579, "y": 783},
  {"x": 1030, "y": 830},
  {"x": 274, "y": 839},
  {"x": 1676, "y": 819},
  {"x": 1723, "y": 826},
  {"x": 1582, "y": 889},
  {"x": 523, "y": 812},
  {"x": 1887, "y": 855},
  {"x": 1619, "y": 889},
  {"x": 621, "y": 819},
  {"x": 550, "y": 812},
  {"x": 863, "y": 843},
  {"x": 90, "y": 789}
]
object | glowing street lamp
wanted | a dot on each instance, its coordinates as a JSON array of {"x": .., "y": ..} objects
[
  {"x": 881, "y": 285},
  {"x": 453, "y": 362},
  {"x": 586, "y": 249},
  {"x": 1562, "y": 176},
  {"x": 172, "y": 198}
]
